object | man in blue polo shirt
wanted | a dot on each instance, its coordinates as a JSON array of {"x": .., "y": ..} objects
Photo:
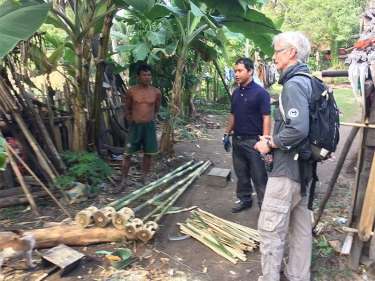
[{"x": 249, "y": 118}]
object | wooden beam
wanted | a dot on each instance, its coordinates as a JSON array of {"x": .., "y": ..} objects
[{"x": 335, "y": 73}]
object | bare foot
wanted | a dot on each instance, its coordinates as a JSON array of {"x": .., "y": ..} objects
[
  {"x": 145, "y": 181},
  {"x": 120, "y": 188}
]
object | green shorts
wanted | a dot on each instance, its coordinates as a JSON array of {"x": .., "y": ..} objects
[{"x": 142, "y": 136}]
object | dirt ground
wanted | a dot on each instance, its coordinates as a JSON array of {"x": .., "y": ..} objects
[{"x": 163, "y": 258}]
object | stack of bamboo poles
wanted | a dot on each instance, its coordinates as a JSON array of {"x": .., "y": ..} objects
[
  {"x": 228, "y": 239},
  {"x": 122, "y": 217}
]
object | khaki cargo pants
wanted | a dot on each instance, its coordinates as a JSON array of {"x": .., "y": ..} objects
[{"x": 285, "y": 211}]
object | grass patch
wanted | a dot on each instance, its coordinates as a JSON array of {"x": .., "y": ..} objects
[
  {"x": 344, "y": 98},
  {"x": 346, "y": 104}
]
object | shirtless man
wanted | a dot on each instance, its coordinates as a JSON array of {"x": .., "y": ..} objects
[{"x": 141, "y": 102}]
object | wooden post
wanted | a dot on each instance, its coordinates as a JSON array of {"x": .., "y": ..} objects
[{"x": 368, "y": 208}]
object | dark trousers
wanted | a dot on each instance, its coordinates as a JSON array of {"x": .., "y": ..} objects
[{"x": 248, "y": 167}]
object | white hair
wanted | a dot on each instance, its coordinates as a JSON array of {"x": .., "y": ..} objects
[{"x": 296, "y": 40}]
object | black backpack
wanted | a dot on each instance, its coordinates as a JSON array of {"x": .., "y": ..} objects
[
  {"x": 323, "y": 132},
  {"x": 324, "y": 128}
]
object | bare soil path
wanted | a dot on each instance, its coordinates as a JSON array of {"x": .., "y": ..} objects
[{"x": 188, "y": 259}]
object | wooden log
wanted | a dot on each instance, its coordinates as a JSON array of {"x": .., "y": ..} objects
[
  {"x": 20, "y": 199},
  {"x": 335, "y": 73},
  {"x": 4, "y": 193},
  {"x": 70, "y": 235},
  {"x": 114, "y": 149},
  {"x": 368, "y": 208}
]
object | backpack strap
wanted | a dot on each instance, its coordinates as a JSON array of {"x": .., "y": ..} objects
[
  {"x": 312, "y": 186},
  {"x": 282, "y": 111},
  {"x": 301, "y": 166}
]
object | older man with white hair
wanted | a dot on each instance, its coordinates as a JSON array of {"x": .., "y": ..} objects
[{"x": 284, "y": 209}]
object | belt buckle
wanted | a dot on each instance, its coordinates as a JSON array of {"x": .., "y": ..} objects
[{"x": 239, "y": 137}]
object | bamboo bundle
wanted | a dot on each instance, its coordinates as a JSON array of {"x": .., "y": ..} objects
[
  {"x": 226, "y": 238},
  {"x": 123, "y": 215},
  {"x": 149, "y": 228}
]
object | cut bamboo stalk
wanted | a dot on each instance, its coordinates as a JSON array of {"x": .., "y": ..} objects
[
  {"x": 85, "y": 217},
  {"x": 122, "y": 217},
  {"x": 148, "y": 230},
  {"x": 131, "y": 228},
  {"x": 104, "y": 216},
  {"x": 206, "y": 241}
]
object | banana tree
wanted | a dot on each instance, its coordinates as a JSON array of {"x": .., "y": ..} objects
[
  {"x": 193, "y": 18},
  {"x": 16, "y": 12}
]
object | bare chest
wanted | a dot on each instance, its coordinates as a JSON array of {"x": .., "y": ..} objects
[{"x": 144, "y": 97}]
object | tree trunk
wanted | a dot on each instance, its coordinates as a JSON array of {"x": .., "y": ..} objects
[
  {"x": 100, "y": 67},
  {"x": 166, "y": 146},
  {"x": 70, "y": 235},
  {"x": 196, "y": 89}
]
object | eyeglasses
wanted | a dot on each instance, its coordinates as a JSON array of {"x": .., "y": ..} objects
[{"x": 278, "y": 51}]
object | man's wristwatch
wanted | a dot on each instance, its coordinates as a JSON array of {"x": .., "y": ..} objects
[{"x": 269, "y": 144}]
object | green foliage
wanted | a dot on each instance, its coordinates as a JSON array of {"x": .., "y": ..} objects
[
  {"x": 327, "y": 23},
  {"x": 84, "y": 167},
  {"x": 19, "y": 22},
  {"x": 164, "y": 113},
  {"x": 320, "y": 248}
]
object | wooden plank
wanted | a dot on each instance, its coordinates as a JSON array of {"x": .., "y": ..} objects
[{"x": 368, "y": 209}]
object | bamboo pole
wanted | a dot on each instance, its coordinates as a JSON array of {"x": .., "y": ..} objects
[
  {"x": 340, "y": 163},
  {"x": 363, "y": 125},
  {"x": 182, "y": 190},
  {"x": 21, "y": 181},
  {"x": 163, "y": 193},
  {"x": 180, "y": 171}
]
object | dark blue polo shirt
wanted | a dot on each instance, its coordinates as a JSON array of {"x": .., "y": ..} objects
[{"x": 249, "y": 104}]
